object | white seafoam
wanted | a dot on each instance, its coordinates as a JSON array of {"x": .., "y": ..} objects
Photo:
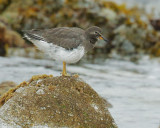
[{"x": 59, "y": 53}]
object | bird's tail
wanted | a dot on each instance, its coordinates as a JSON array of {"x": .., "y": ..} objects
[{"x": 38, "y": 41}]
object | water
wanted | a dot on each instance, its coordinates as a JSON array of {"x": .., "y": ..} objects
[{"x": 132, "y": 89}]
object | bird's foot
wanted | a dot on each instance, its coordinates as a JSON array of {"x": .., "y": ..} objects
[
  {"x": 75, "y": 75},
  {"x": 65, "y": 74}
]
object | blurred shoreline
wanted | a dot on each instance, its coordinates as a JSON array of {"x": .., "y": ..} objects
[
  {"x": 151, "y": 6},
  {"x": 131, "y": 31}
]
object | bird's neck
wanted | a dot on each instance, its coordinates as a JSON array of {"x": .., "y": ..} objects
[
  {"x": 92, "y": 39},
  {"x": 89, "y": 45}
]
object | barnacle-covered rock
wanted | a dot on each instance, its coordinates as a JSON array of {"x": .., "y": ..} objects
[
  {"x": 55, "y": 102},
  {"x": 5, "y": 86}
]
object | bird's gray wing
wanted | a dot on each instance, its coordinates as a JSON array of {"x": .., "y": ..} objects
[{"x": 65, "y": 37}]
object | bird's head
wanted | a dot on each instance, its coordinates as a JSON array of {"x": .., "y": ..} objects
[{"x": 94, "y": 33}]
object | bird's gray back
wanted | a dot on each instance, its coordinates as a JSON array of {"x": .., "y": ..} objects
[{"x": 65, "y": 37}]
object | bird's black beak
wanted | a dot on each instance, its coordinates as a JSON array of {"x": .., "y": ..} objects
[{"x": 103, "y": 38}]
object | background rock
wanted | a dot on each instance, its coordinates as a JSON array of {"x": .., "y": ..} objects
[
  {"x": 9, "y": 38},
  {"x": 134, "y": 22}
]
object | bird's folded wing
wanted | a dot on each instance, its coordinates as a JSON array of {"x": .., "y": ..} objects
[{"x": 67, "y": 38}]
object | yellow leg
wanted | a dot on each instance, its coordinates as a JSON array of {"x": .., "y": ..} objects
[{"x": 64, "y": 72}]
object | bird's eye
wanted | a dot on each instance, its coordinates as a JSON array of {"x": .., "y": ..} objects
[{"x": 96, "y": 32}]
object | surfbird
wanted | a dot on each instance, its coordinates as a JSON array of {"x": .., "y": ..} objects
[{"x": 67, "y": 44}]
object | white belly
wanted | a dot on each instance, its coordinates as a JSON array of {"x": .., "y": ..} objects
[
  {"x": 69, "y": 56},
  {"x": 59, "y": 53}
]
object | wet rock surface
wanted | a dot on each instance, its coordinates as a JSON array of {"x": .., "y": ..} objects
[{"x": 55, "y": 102}]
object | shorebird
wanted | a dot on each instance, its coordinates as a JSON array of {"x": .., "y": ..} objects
[{"x": 67, "y": 44}]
